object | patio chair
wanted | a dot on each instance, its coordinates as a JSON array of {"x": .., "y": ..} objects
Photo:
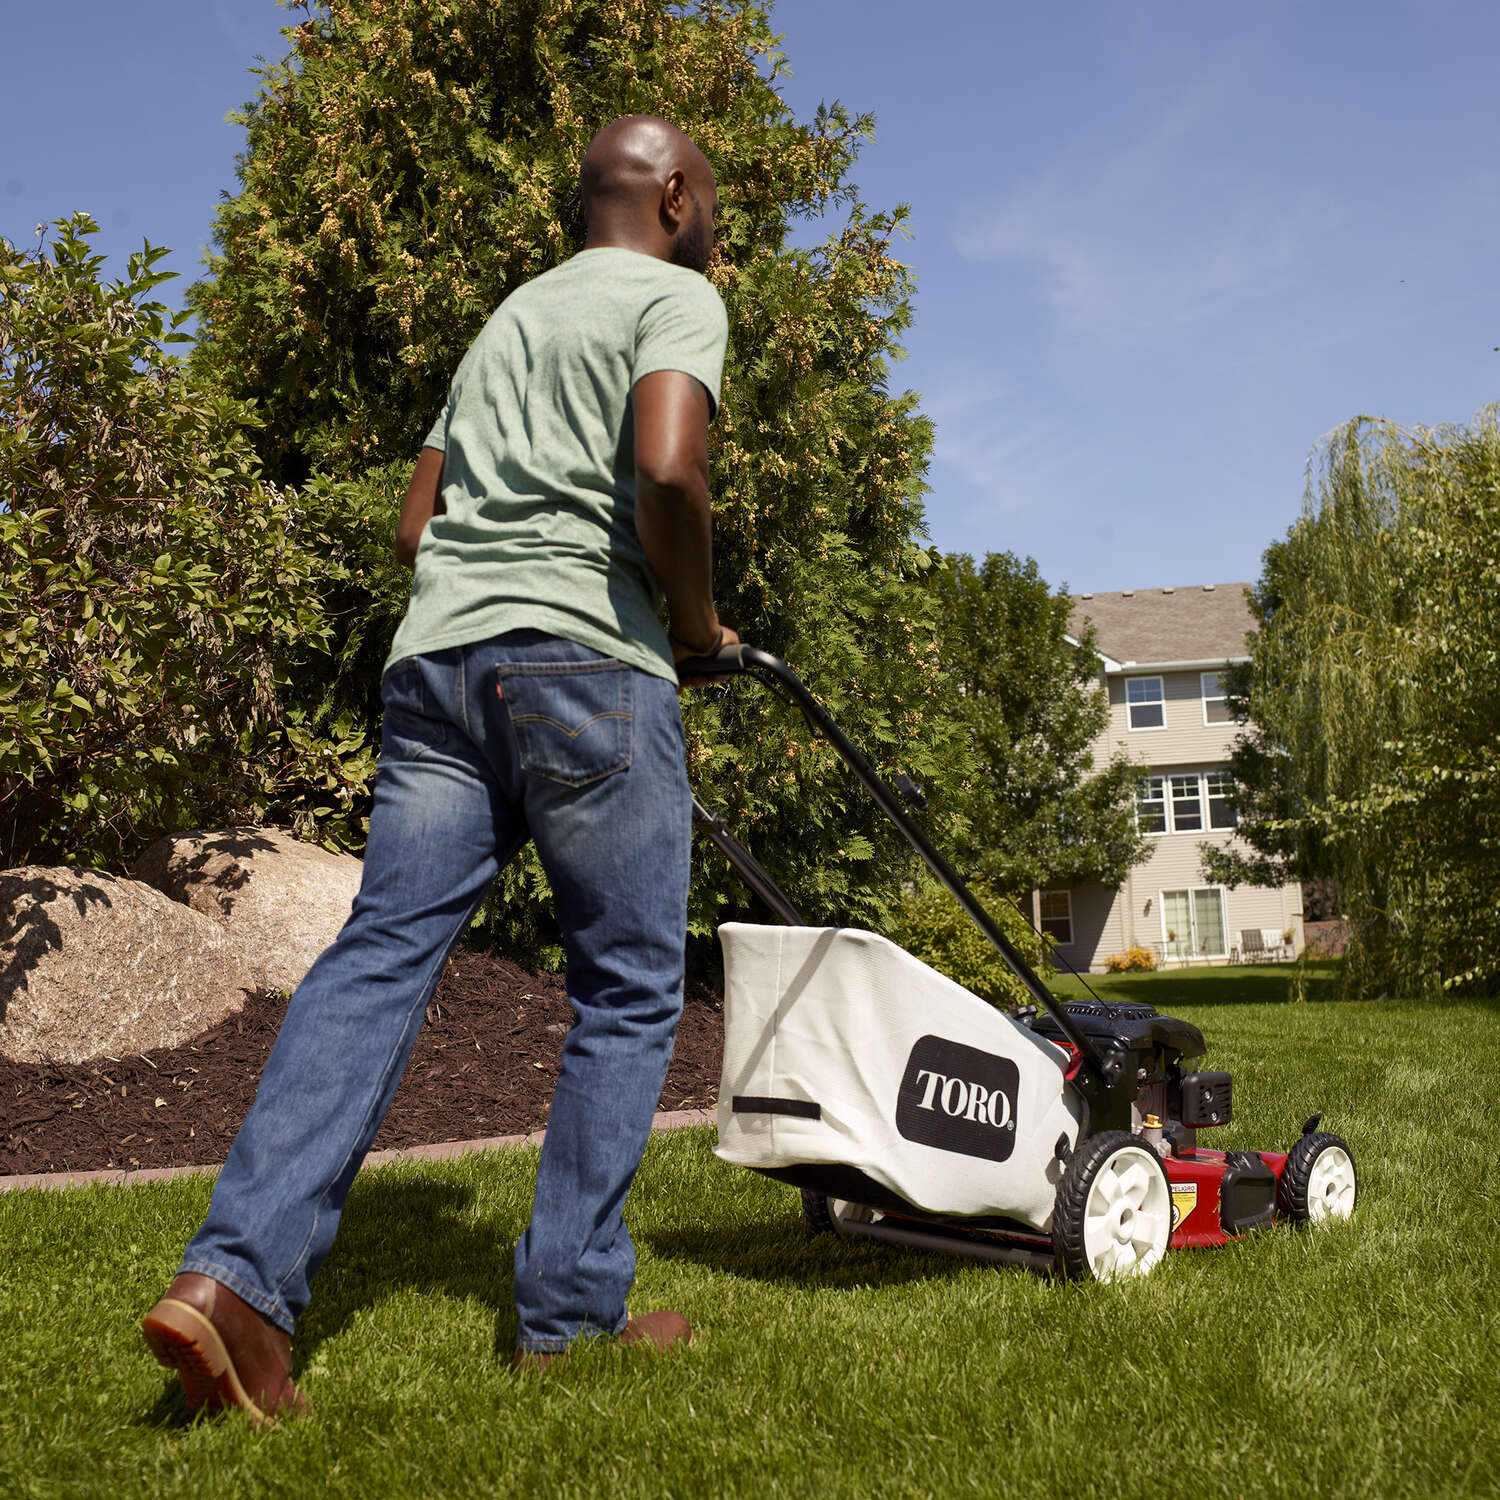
[
  {"x": 1276, "y": 945},
  {"x": 1253, "y": 948}
]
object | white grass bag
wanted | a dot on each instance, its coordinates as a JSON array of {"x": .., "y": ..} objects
[{"x": 841, "y": 1048}]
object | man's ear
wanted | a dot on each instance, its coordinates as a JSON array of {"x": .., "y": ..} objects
[{"x": 674, "y": 198}]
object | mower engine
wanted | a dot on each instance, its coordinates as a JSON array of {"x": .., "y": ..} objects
[{"x": 1216, "y": 1195}]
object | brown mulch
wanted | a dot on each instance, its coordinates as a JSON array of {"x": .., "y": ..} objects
[{"x": 483, "y": 1065}]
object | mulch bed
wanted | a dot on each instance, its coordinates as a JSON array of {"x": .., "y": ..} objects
[{"x": 484, "y": 1064}]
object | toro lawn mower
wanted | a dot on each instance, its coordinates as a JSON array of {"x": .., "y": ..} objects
[{"x": 1061, "y": 1136}]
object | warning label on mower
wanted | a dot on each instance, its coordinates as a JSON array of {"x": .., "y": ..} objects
[
  {"x": 1184, "y": 1201},
  {"x": 958, "y": 1098}
]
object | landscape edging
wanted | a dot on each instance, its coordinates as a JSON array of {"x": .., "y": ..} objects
[{"x": 671, "y": 1119}]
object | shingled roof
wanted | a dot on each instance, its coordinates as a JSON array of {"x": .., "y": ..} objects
[{"x": 1144, "y": 627}]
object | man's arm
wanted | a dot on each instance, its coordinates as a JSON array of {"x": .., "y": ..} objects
[
  {"x": 673, "y": 515},
  {"x": 424, "y": 500}
]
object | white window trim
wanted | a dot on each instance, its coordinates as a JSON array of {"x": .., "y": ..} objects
[
  {"x": 1166, "y": 809},
  {"x": 1169, "y": 822},
  {"x": 1161, "y": 906},
  {"x": 1216, "y": 698},
  {"x": 1207, "y": 796},
  {"x": 1146, "y": 728},
  {"x": 1201, "y": 799},
  {"x": 1067, "y": 895}
]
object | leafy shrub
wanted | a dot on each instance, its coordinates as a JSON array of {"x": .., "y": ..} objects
[
  {"x": 1133, "y": 958},
  {"x": 931, "y": 925},
  {"x": 156, "y": 597}
]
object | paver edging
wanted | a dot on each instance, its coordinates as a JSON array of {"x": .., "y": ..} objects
[{"x": 671, "y": 1119}]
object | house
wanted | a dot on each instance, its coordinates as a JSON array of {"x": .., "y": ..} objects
[{"x": 1162, "y": 654}]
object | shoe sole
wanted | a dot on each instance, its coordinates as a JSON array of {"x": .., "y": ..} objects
[{"x": 182, "y": 1339}]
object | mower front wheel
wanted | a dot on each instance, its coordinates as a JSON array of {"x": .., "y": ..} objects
[
  {"x": 1319, "y": 1181},
  {"x": 1113, "y": 1216}
]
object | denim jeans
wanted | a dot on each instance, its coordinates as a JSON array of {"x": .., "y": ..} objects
[{"x": 483, "y": 746}]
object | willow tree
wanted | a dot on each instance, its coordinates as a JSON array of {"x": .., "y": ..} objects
[
  {"x": 1374, "y": 749},
  {"x": 413, "y": 161}
]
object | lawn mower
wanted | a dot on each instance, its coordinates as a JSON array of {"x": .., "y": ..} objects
[{"x": 1062, "y": 1135}]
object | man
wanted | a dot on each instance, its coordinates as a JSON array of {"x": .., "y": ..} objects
[{"x": 530, "y": 692}]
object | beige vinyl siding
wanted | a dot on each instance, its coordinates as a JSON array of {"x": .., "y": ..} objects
[
  {"x": 1175, "y": 864},
  {"x": 1183, "y": 738},
  {"x": 1098, "y": 928}
]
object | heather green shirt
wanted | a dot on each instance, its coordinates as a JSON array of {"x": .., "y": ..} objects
[{"x": 538, "y": 445}]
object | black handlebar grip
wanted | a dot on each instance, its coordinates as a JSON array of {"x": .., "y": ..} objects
[{"x": 722, "y": 663}]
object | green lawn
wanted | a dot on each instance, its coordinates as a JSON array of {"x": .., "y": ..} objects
[{"x": 1358, "y": 1360}]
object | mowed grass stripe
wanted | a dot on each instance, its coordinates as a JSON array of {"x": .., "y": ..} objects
[{"x": 1357, "y": 1360}]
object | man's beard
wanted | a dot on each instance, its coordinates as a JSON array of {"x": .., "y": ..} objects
[{"x": 691, "y": 248}]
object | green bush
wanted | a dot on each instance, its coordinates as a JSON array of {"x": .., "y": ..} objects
[
  {"x": 931, "y": 925},
  {"x": 156, "y": 597}
]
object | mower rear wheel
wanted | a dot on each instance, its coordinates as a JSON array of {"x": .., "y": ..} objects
[
  {"x": 1319, "y": 1181},
  {"x": 827, "y": 1215},
  {"x": 1113, "y": 1216},
  {"x": 815, "y": 1211}
]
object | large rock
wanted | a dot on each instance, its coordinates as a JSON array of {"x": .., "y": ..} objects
[
  {"x": 280, "y": 901},
  {"x": 95, "y": 965}
]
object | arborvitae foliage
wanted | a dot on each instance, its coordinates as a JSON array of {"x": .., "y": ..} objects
[
  {"x": 156, "y": 597},
  {"x": 1039, "y": 811},
  {"x": 1373, "y": 752},
  {"x": 413, "y": 161}
]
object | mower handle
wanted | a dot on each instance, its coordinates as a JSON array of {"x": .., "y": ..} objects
[
  {"x": 741, "y": 658},
  {"x": 727, "y": 661}
]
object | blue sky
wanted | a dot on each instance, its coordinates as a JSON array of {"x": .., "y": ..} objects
[{"x": 1160, "y": 248}]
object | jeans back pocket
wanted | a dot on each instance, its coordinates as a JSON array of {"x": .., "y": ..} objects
[{"x": 572, "y": 719}]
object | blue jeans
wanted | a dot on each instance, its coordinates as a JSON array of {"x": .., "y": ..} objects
[{"x": 483, "y": 746}]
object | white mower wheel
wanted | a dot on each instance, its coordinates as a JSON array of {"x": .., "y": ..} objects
[
  {"x": 1319, "y": 1181},
  {"x": 1113, "y": 1216}
]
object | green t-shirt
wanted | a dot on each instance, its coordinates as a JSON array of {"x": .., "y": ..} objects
[{"x": 538, "y": 443}]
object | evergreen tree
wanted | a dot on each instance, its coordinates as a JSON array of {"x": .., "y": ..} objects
[{"x": 413, "y": 161}]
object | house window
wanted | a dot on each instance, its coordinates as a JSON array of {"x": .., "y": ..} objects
[
  {"x": 1145, "y": 704},
  {"x": 1218, "y": 786},
  {"x": 1057, "y": 915},
  {"x": 1151, "y": 804},
  {"x": 1187, "y": 804},
  {"x": 1192, "y": 923},
  {"x": 1215, "y": 708},
  {"x": 1179, "y": 803}
]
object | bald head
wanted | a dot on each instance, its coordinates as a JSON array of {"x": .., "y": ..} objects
[{"x": 645, "y": 186}]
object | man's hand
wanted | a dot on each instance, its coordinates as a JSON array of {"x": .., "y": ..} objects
[{"x": 731, "y": 637}]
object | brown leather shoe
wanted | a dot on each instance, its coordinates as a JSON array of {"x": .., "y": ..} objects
[
  {"x": 226, "y": 1353},
  {"x": 658, "y": 1330}
]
